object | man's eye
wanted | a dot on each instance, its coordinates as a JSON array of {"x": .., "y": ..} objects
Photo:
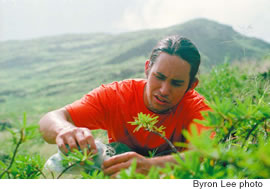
[
  {"x": 160, "y": 77},
  {"x": 177, "y": 84}
]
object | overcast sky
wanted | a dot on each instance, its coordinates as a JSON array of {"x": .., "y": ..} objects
[{"x": 26, "y": 19}]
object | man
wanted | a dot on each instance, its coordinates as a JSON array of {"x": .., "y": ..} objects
[{"x": 168, "y": 92}]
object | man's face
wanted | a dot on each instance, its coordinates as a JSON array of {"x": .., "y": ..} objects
[{"x": 167, "y": 82}]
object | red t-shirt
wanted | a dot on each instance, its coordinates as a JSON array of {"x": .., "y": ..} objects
[{"x": 112, "y": 106}]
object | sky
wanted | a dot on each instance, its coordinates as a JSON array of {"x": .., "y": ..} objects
[{"x": 27, "y": 19}]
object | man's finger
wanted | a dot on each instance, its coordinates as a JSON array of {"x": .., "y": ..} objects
[
  {"x": 61, "y": 145},
  {"x": 81, "y": 140},
  {"x": 71, "y": 143},
  {"x": 90, "y": 140},
  {"x": 117, "y": 168},
  {"x": 119, "y": 159}
]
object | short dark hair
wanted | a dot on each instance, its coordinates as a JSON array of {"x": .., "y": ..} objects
[{"x": 181, "y": 47}]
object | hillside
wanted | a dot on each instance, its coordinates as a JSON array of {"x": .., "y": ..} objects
[{"x": 39, "y": 75}]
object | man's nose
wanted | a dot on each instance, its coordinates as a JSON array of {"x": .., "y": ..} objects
[{"x": 165, "y": 89}]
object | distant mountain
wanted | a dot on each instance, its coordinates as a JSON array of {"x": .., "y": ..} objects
[
  {"x": 45, "y": 73},
  {"x": 217, "y": 41}
]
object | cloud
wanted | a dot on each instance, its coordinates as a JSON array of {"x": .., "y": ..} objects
[
  {"x": 246, "y": 16},
  {"x": 24, "y": 19}
]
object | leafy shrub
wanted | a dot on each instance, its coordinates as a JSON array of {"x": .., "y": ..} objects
[
  {"x": 27, "y": 167},
  {"x": 22, "y": 165}
]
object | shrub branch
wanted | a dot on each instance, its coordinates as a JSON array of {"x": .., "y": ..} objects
[
  {"x": 14, "y": 153},
  {"x": 148, "y": 122},
  {"x": 66, "y": 169}
]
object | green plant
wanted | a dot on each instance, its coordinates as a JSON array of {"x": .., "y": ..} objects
[
  {"x": 22, "y": 166},
  {"x": 27, "y": 167},
  {"x": 77, "y": 157},
  {"x": 148, "y": 123}
]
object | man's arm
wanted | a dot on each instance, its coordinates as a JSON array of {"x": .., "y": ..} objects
[
  {"x": 53, "y": 122},
  {"x": 58, "y": 128}
]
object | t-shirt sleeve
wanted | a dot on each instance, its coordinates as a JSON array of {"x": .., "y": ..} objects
[
  {"x": 198, "y": 106},
  {"x": 92, "y": 109},
  {"x": 197, "y": 115}
]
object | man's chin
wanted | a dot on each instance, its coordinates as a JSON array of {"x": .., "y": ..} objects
[{"x": 160, "y": 111}]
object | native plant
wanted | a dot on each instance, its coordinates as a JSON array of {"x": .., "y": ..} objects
[
  {"x": 76, "y": 158},
  {"x": 22, "y": 165},
  {"x": 148, "y": 123}
]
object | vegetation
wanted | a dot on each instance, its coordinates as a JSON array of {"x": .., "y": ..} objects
[
  {"x": 240, "y": 117},
  {"x": 148, "y": 123},
  {"x": 14, "y": 165}
]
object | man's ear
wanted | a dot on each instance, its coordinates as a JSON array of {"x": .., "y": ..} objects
[
  {"x": 194, "y": 84},
  {"x": 147, "y": 67}
]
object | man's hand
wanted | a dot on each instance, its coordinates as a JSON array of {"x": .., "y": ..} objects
[
  {"x": 116, "y": 163},
  {"x": 74, "y": 137}
]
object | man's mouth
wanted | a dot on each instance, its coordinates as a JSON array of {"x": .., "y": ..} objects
[{"x": 160, "y": 100}]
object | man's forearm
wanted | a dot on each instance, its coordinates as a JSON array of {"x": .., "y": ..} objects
[{"x": 52, "y": 123}]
